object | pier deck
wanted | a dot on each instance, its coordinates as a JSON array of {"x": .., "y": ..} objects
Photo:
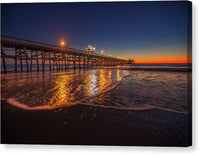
[{"x": 58, "y": 58}]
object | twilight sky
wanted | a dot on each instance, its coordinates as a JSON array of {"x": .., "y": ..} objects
[{"x": 146, "y": 31}]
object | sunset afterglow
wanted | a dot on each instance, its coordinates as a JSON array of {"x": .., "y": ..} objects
[{"x": 149, "y": 33}]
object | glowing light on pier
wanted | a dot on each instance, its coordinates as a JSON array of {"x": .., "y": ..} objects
[
  {"x": 102, "y": 52},
  {"x": 62, "y": 43}
]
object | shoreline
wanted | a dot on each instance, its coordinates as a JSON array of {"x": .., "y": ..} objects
[
  {"x": 19, "y": 105},
  {"x": 89, "y": 125}
]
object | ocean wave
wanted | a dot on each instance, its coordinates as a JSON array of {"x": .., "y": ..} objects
[
  {"x": 117, "y": 89},
  {"x": 19, "y": 105}
]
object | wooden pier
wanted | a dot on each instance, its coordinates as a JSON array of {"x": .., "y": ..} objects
[{"x": 58, "y": 58}]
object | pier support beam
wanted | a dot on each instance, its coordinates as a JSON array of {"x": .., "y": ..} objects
[
  {"x": 3, "y": 59},
  {"x": 68, "y": 62},
  {"x": 79, "y": 62},
  {"x": 74, "y": 62},
  {"x": 15, "y": 60},
  {"x": 4, "y": 65},
  {"x": 31, "y": 61},
  {"x": 87, "y": 62},
  {"x": 65, "y": 63},
  {"x": 83, "y": 62},
  {"x": 43, "y": 61},
  {"x": 50, "y": 61},
  {"x": 26, "y": 55},
  {"x": 37, "y": 61},
  {"x": 21, "y": 60}
]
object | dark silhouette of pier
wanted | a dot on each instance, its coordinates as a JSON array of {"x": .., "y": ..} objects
[{"x": 57, "y": 57}]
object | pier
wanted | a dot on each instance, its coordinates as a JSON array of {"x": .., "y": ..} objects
[{"x": 58, "y": 58}]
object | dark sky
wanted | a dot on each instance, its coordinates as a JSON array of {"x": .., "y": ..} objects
[{"x": 142, "y": 30}]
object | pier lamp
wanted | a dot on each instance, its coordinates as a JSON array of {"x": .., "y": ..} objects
[
  {"x": 62, "y": 43},
  {"x": 102, "y": 52}
]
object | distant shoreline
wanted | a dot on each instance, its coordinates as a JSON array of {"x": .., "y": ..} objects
[{"x": 168, "y": 69}]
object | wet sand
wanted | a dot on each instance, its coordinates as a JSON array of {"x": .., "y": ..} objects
[{"x": 90, "y": 125}]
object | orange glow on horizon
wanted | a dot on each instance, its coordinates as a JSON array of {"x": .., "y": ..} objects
[
  {"x": 163, "y": 60},
  {"x": 168, "y": 54}
]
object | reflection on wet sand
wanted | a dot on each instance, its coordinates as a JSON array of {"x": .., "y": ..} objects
[
  {"x": 61, "y": 89},
  {"x": 61, "y": 92}
]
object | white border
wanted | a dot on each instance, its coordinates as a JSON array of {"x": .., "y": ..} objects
[{"x": 114, "y": 150}]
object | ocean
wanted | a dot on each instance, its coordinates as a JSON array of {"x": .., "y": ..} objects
[{"x": 108, "y": 87}]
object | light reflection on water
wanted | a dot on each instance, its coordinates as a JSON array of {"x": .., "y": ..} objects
[
  {"x": 57, "y": 88},
  {"x": 106, "y": 87}
]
